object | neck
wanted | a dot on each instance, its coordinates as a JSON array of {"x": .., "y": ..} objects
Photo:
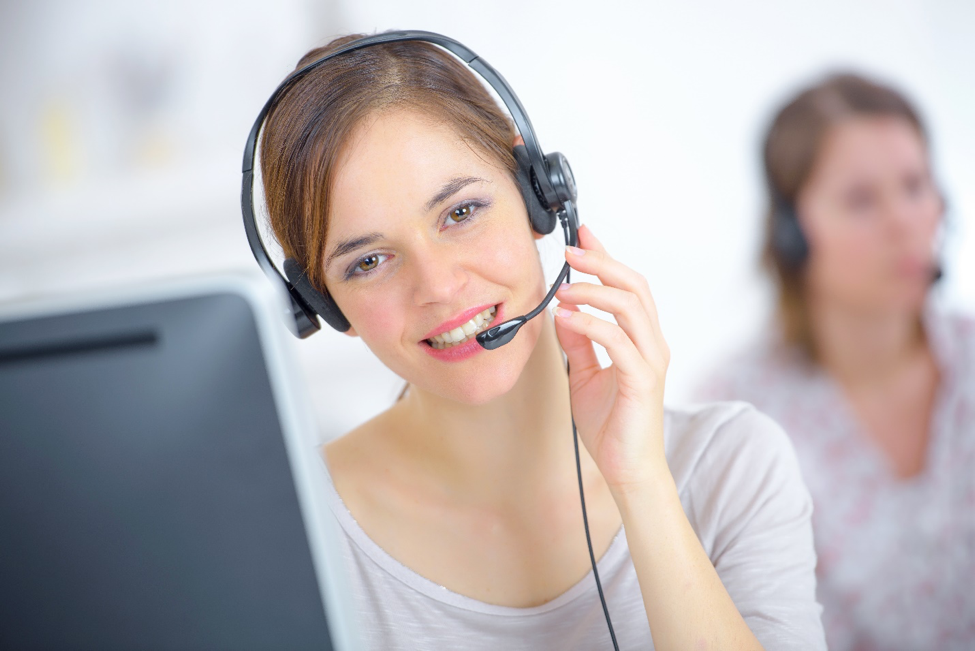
[
  {"x": 860, "y": 346},
  {"x": 515, "y": 445}
]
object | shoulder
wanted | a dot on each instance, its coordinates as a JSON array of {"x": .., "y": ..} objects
[
  {"x": 731, "y": 434},
  {"x": 955, "y": 331},
  {"x": 736, "y": 472},
  {"x": 356, "y": 461},
  {"x": 951, "y": 336}
]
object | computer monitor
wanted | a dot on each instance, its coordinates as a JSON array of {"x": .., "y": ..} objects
[{"x": 159, "y": 476}]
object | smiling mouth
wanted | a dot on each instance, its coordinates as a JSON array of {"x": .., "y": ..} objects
[{"x": 465, "y": 332}]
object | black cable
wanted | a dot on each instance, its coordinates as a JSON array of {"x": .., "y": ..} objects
[
  {"x": 585, "y": 522},
  {"x": 585, "y": 517}
]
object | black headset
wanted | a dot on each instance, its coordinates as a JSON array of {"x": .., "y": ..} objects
[
  {"x": 546, "y": 184},
  {"x": 789, "y": 243},
  {"x": 545, "y": 181}
]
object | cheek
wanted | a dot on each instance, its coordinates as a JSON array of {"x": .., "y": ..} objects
[
  {"x": 928, "y": 224},
  {"x": 509, "y": 256},
  {"x": 854, "y": 247},
  {"x": 846, "y": 260},
  {"x": 842, "y": 249},
  {"x": 377, "y": 319}
]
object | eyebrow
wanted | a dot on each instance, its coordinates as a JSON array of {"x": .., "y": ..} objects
[
  {"x": 450, "y": 187},
  {"x": 350, "y": 245}
]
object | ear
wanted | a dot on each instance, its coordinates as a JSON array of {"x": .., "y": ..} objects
[{"x": 351, "y": 332}]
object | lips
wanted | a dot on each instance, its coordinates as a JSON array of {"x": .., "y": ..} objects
[
  {"x": 457, "y": 321},
  {"x": 459, "y": 352}
]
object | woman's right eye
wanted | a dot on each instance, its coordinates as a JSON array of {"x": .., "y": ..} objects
[{"x": 366, "y": 264}]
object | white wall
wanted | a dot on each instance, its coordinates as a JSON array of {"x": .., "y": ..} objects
[{"x": 659, "y": 107}]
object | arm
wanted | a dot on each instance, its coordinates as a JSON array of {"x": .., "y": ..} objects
[
  {"x": 687, "y": 605},
  {"x": 619, "y": 413}
]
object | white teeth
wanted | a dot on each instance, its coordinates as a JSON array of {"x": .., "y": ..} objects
[{"x": 463, "y": 333}]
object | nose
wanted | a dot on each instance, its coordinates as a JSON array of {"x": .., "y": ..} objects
[{"x": 438, "y": 275}]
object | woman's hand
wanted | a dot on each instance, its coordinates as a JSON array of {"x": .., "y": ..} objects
[
  {"x": 619, "y": 413},
  {"x": 618, "y": 410}
]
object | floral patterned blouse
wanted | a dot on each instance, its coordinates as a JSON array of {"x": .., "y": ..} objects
[{"x": 896, "y": 556}]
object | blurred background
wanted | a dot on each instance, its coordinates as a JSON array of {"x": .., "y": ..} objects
[{"x": 122, "y": 126}]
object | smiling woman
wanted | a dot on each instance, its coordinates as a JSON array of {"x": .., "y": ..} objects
[
  {"x": 397, "y": 186},
  {"x": 443, "y": 214}
]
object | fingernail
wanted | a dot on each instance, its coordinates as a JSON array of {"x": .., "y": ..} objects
[
  {"x": 562, "y": 312},
  {"x": 575, "y": 250},
  {"x": 563, "y": 287}
]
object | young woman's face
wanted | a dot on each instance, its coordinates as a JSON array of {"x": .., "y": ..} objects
[
  {"x": 426, "y": 234},
  {"x": 870, "y": 212}
]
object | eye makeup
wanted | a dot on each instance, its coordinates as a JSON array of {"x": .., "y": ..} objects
[{"x": 475, "y": 208}]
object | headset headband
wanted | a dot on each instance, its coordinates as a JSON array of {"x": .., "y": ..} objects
[
  {"x": 483, "y": 68},
  {"x": 552, "y": 180}
]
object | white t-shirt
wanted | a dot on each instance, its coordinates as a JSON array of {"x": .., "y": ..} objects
[{"x": 740, "y": 486}]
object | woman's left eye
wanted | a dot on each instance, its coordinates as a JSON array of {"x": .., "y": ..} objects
[{"x": 461, "y": 213}]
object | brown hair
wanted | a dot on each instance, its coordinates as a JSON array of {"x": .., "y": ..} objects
[
  {"x": 791, "y": 146},
  {"x": 308, "y": 126}
]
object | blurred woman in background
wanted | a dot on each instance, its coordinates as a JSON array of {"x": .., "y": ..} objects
[{"x": 871, "y": 379}]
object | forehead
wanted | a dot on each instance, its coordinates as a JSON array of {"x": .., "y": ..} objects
[
  {"x": 391, "y": 166},
  {"x": 871, "y": 145}
]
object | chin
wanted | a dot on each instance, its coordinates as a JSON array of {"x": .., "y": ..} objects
[
  {"x": 492, "y": 381},
  {"x": 479, "y": 395}
]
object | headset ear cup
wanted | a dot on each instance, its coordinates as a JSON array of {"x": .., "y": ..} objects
[
  {"x": 321, "y": 303},
  {"x": 789, "y": 241},
  {"x": 542, "y": 219}
]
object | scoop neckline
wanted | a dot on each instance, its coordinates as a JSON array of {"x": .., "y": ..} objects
[{"x": 609, "y": 561}]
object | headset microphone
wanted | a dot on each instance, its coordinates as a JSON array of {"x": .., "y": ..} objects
[{"x": 501, "y": 334}]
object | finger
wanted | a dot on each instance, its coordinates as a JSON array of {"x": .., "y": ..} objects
[
  {"x": 612, "y": 273},
  {"x": 625, "y": 306},
  {"x": 578, "y": 348},
  {"x": 621, "y": 350},
  {"x": 588, "y": 241}
]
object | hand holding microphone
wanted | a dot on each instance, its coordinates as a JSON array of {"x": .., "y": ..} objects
[{"x": 618, "y": 409}]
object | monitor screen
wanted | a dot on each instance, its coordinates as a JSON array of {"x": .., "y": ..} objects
[{"x": 146, "y": 497}]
